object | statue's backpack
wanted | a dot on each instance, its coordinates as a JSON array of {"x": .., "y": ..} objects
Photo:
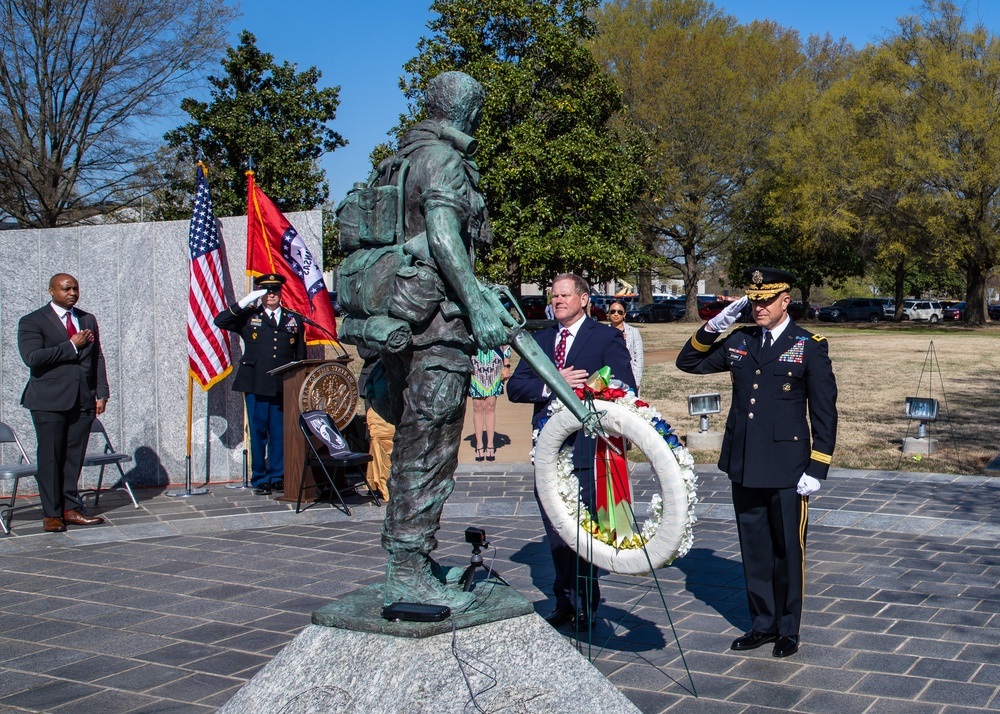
[{"x": 371, "y": 234}]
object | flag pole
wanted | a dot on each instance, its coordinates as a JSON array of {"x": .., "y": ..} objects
[
  {"x": 245, "y": 484},
  {"x": 188, "y": 491}
]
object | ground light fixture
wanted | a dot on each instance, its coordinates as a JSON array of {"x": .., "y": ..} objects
[
  {"x": 701, "y": 405},
  {"x": 922, "y": 410}
]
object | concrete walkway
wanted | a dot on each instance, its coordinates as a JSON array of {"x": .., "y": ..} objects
[{"x": 172, "y": 607}]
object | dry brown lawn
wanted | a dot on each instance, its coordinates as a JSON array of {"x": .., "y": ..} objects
[{"x": 877, "y": 367}]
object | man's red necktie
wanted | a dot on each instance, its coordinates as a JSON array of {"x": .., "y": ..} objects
[
  {"x": 561, "y": 349},
  {"x": 70, "y": 327}
]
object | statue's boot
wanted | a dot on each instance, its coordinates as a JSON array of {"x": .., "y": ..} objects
[
  {"x": 409, "y": 579},
  {"x": 447, "y": 574}
]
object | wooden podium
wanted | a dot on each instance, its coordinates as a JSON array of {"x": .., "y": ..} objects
[{"x": 306, "y": 385}]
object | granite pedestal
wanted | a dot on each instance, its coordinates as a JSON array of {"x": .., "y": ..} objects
[{"x": 515, "y": 663}]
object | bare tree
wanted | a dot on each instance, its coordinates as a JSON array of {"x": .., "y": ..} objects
[{"x": 77, "y": 78}]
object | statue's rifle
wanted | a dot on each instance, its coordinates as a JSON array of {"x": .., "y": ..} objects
[{"x": 524, "y": 344}]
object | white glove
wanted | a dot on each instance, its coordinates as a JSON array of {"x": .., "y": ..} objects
[
  {"x": 722, "y": 321},
  {"x": 255, "y": 295},
  {"x": 807, "y": 485}
]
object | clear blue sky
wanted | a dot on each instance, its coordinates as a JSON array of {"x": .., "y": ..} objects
[{"x": 361, "y": 46}]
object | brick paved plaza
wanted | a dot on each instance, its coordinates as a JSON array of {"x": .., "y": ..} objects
[{"x": 174, "y": 606}]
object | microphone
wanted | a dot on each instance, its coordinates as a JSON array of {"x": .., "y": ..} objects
[{"x": 315, "y": 324}]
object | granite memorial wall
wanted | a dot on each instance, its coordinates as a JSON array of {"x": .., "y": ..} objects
[{"x": 134, "y": 278}]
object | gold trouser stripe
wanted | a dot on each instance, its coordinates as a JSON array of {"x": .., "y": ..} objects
[
  {"x": 697, "y": 345},
  {"x": 803, "y": 525},
  {"x": 822, "y": 458}
]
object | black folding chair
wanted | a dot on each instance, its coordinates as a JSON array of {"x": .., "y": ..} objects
[
  {"x": 105, "y": 458},
  {"x": 339, "y": 456},
  {"x": 13, "y": 473}
]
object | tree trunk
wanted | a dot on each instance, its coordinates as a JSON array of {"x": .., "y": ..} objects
[
  {"x": 689, "y": 272},
  {"x": 975, "y": 295},
  {"x": 899, "y": 284},
  {"x": 645, "y": 285},
  {"x": 805, "y": 290},
  {"x": 514, "y": 276}
]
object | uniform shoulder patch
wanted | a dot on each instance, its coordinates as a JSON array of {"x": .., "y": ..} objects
[{"x": 819, "y": 338}]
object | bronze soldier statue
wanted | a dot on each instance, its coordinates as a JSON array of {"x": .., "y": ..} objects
[{"x": 429, "y": 317}]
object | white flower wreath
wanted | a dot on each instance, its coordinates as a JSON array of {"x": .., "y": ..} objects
[{"x": 668, "y": 531}]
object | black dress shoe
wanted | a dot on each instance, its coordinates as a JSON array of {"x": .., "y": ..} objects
[
  {"x": 752, "y": 640},
  {"x": 786, "y": 646},
  {"x": 278, "y": 486},
  {"x": 584, "y": 619},
  {"x": 561, "y": 616},
  {"x": 263, "y": 490}
]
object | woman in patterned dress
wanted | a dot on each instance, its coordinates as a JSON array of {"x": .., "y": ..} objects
[
  {"x": 633, "y": 340},
  {"x": 490, "y": 369}
]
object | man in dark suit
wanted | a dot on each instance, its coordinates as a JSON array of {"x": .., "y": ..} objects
[
  {"x": 579, "y": 347},
  {"x": 67, "y": 389},
  {"x": 272, "y": 337},
  {"x": 780, "y": 372}
]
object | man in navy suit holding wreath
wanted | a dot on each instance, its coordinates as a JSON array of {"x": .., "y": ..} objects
[{"x": 579, "y": 346}]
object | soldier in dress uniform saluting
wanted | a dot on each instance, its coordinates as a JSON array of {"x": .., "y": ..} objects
[
  {"x": 772, "y": 454},
  {"x": 272, "y": 337}
]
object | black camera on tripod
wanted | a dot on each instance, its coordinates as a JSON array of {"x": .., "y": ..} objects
[{"x": 476, "y": 537}]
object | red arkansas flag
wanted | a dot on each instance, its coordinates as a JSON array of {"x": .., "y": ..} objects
[{"x": 273, "y": 246}]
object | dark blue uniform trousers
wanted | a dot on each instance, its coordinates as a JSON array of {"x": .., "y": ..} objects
[
  {"x": 772, "y": 528},
  {"x": 266, "y": 417}
]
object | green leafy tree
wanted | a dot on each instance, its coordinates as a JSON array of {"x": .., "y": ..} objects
[
  {"x": 271, "y": 114},
  {"x": 953, "y": 71},
  {"x": 560, "y": 177},
  {"x": 705, "y": 93},
  {"x": 904, "y": 155}
]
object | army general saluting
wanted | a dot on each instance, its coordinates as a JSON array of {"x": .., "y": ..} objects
[
  {"x": 779, "y": 373},
  {"x": 272, "y": 337}
]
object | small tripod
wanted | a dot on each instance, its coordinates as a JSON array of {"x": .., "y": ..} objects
[{"x": 477, "y": 562}]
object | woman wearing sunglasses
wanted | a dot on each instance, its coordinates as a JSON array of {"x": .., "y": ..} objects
[{"x": 633, "y": 340}]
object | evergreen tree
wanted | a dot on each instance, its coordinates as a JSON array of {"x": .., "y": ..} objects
[{"x": 271, "y": 114}]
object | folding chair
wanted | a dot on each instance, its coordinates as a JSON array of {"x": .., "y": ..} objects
[
  {"x": 13, "y": 473},
  {"x": 106, "y": 458},
  {"x": 339, "y": 457}
]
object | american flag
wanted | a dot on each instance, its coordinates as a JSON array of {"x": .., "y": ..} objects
[{"x": 208, "y": 346}]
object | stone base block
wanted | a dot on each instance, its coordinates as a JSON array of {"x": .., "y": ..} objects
[
  {"x": 519, "y": 665},
  {"x": 703, "y": 440},
  {"x": 913, "y": 445}
]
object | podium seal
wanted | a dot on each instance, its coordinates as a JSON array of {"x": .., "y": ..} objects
[{"x": 332, "y": 388}]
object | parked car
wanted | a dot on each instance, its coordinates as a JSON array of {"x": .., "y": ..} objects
[
  {"x": 852, "y": 310},
  {"x": 338, "y": 311},
  {"x": 533, "y": 307},
  {"x": 994, "y": 311},
  {"x": 923, "y": 310},
  {"x": 598, "y": 313},
  {"x": 796, "y": 310},
  {"x": 652, "y": 312},
  {"x": 954, "y": 313},
  {"x": 711, "y": 309}
]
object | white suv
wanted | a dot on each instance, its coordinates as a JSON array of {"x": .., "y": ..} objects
[{"x": 923, "y": 310}]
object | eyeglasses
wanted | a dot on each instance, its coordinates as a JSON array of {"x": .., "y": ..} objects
[{"x": 616, "y": 312}]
